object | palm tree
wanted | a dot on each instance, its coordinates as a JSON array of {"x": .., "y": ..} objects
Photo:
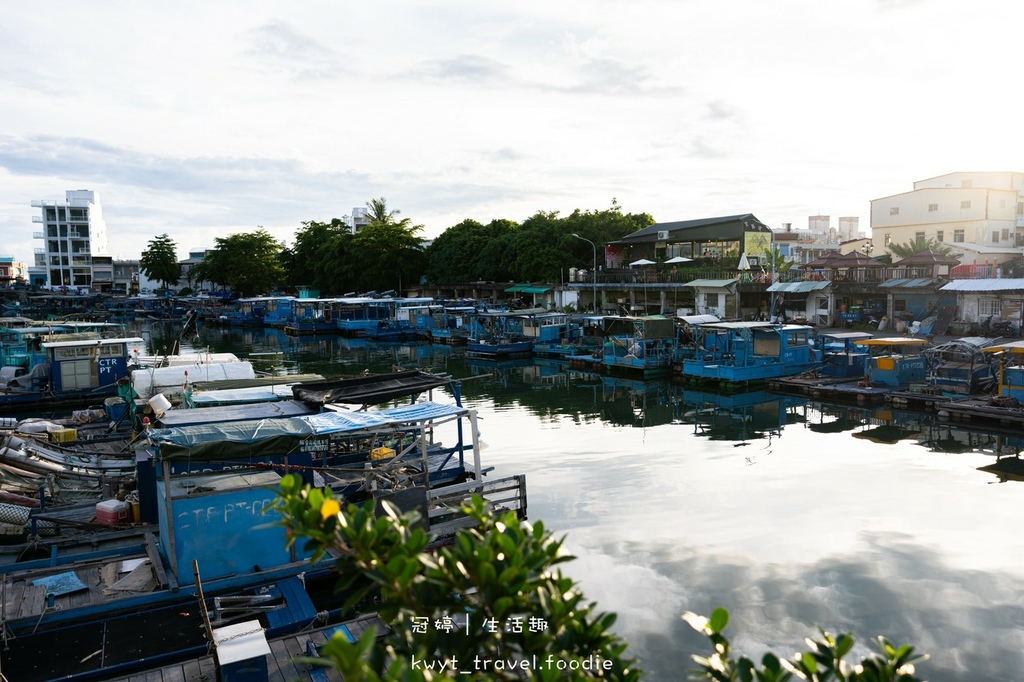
[{"x": 907, "y": 249}]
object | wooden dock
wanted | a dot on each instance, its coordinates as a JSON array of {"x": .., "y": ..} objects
[{"x": 281, "y": 664}]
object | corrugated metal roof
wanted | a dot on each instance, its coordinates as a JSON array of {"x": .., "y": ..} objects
[
  {"x": 800, "y": 287},
  {"x": 1010, "y": 284},
  {"x": 711, "y": 283},
  {"x": 909, "y": 283}
]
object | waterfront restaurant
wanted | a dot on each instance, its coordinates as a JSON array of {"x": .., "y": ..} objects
[{"x": 708, "y": 242}]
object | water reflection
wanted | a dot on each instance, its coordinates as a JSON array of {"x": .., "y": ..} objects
[{"x": 871, "y": 520}]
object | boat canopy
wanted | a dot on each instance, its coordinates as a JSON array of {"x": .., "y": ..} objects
[
  {"x": 1015, "y": 347},
  {"x": 893, "y": 341},
  {"x": 845, "y": 336},
  {"x": 368, "y": 390},
  {"x": 268, "y": 437},
  {"x": 698, "y": 319},
  {"x": 92, "y": 342}
]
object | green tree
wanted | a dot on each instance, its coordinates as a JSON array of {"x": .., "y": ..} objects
[
  {"x": 248, "y": 262},
  {"x": 470, "y": 251},
  {"x": 502, "y": 568},
  {"x": 907, "y": 249},
  {"x": 822, "y": 663},
  {"x": 318, "y": 256},
  {"x": 387, "y": 253},
  {"x": 159, "y": 261}
]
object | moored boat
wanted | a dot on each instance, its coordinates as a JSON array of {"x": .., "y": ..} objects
[
  {"x": 68, "y": 372},
  {"x": 744, "y": 352}
]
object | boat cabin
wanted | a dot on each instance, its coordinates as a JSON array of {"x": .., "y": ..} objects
[{"x": 894, "y": 360}]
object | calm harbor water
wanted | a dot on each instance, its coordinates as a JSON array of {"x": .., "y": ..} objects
[{"x": 790, "y": 513}]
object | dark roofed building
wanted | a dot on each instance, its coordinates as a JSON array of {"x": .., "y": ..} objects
[{"x": 710, "y": 238}]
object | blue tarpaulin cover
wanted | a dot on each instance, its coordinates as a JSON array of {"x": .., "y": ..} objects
[
  {"x": 62, "y": 583},
  {"x": 268, "y": 437}
]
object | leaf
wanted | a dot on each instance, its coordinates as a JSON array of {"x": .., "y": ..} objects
[{"x": 719, "y": 619}]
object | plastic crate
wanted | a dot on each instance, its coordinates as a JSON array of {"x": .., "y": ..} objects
[{"x": 382, "y": 453}]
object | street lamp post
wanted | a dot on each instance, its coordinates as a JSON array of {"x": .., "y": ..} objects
[{"x": 593, "y": 270}]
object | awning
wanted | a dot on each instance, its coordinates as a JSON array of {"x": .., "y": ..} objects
[
  {"x": 516, "y": 288},
  {"x": 536, "y": 290},
  {"x": 711, "y": 283},
  {"x": 910, "y": 283},
  {"x": 799, "y": 287}
]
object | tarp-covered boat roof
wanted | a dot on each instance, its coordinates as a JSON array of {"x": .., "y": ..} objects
[
  {"x": 269, "y": 437},
  {"x": 233, "y": 413},
  {"x": 368, "y": 390}
]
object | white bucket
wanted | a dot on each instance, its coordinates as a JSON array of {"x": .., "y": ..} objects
[{"x": 160, "y": 404}]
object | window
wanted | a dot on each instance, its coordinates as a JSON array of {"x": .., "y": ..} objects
[
  {"x": 965, "y": 204},
  {"x": 1006, "y": 235},
  {"x": 995, "y": 236},
  {"x": 1020, "y": 208},
  {"x": 933, "y": 207},
  {"x": 990, "y": 306},
  {"x": 940, "y": 236},
  {"x": 958, "y": 235},
  {"x": 888, "y": 239},
  {"x": 919, "y": 236},
  {"x": 899, "y": 305},
  {"x": 895, "y": 210}
]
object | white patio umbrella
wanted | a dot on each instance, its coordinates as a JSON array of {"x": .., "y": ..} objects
[
  {"x": 642, "y": 261},
  {"x": 678, "y": 259},
  {"x": 744, "y": 264}
]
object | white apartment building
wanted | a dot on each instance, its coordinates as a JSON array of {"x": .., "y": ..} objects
[
  {"x": 359, "y": 219},
  {"x": 803, "y": 246},
  {"x": 74, "y": 235},
  {"x": 981, "y": 215}
]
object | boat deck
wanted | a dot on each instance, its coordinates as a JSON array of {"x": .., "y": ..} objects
[{"x": 281, "y": 664}]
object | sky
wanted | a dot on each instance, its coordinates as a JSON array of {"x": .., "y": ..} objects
[{"x": 204, "y": 119}]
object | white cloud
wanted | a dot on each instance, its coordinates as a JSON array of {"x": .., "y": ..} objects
[{"x": 202, "y": 119}]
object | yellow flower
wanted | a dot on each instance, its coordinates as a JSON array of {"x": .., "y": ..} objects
[{"x": 329, "y": 508}]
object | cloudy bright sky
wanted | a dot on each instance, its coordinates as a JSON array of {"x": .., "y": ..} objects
[{"x": 201, "y": 119}]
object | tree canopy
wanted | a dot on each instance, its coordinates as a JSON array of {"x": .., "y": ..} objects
[
  {"x": 248, "y": 262},
  {"x": 388, "y": 251},
  {"x": 159, "y": 261}
]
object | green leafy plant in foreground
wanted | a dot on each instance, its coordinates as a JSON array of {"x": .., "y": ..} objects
[
  {"x": 823, "y": 661},
  {"x": 501, "y": 570}
]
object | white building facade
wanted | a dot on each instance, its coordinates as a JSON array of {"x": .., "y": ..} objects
[
  {"x": 73, "y": 233},
  {"x": 981, "y": 215}
]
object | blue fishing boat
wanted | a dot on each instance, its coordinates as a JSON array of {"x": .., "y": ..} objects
[
  {"x": 212, "y": 555},
  {"x": 554, "y": 335},
  {"x": 312, "y": 316},
  {"x": 1004, "y": 409},
  {"x": 407, "y": 318},
  {"x": 842, "y": 360},
  {"x": 451, "y": 324},
  {"x": 67, "y": 371},
  {"x": 639, "y": 345},
  {"x": 499, "y": 334},
  {"x": 893, "y": 364},
  {"x": 744, "y": 352}
]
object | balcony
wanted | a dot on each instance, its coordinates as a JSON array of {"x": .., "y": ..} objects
[
  {"x": 38, "y": 251},
  {"x": 38, "y": 235},
  {"x": 37, "y": 218}
]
